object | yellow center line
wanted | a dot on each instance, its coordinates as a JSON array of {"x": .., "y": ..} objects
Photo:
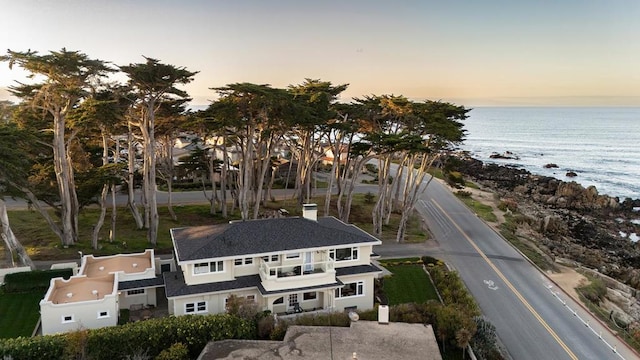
[{"x": 509, "y": 285}]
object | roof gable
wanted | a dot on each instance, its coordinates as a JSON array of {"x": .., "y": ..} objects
[{"x": 264, "y": 236}]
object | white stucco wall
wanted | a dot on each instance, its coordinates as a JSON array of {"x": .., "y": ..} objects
[
  {"x": 191, "y": 279},
  {"x": 85, "y": 315},
  {"x": 148, "y": 298},
  {"x": 362, "y": 302}
]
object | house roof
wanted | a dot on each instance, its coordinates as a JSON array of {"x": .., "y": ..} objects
[
  {"x": 335, "y": 284},
  {"x": 356, "y": 270},
  {"x": 141, "y": 284},
  {"x": 264, "y": 236},
  {"x": 175, "y": 286}
]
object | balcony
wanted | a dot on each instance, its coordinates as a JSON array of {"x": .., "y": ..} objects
[{"x": 300, "y": 275}]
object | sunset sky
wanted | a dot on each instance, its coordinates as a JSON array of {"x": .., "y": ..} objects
[{"x": 569, "y": 52}]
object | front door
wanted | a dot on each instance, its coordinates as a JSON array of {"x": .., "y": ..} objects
[{"x": 292, "y": 304}]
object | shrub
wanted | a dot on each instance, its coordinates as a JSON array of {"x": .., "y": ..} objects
[
  {"x": 371, "y": 168},
  {"x": 463, "y": 193},
  {"x": 594, "y": 291},
  {"x": 369, "y": 197},
  {"x": 455, "y": 178},
  {"x": 177, "y": 351}
]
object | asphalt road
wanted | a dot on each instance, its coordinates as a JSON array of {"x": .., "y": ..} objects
[{"x": 534, "y": 319}]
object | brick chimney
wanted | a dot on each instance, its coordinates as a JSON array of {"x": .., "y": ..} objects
[{"x": 310, "y": 211}]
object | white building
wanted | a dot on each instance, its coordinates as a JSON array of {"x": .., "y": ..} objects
[
  {"x": 103, "y": 286},
  {"x": 285, "y": 265}
]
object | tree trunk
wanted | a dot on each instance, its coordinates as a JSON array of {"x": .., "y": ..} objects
[
  {"x": 413, "y": 189},
  {"x": 148, "y": 134},
  {"x": 102, "y": 201},
  {"x": 103, "y": 212},
  {"x": 169, "y": 167},
  {"x": 63, "y": 169},
  {"x": 13, "y": 245},
  {"x": 212, "y": 200},
  {"x": 131, "y": 202},
  {"x": 223, "y": 178},
  {"x": 246, "y": 172},
  {"x": 114, "y": 214},
  {"x": 263, "y": 166}
]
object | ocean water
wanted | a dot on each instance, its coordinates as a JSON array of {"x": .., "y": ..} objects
[{"x": 600, "y": 144}]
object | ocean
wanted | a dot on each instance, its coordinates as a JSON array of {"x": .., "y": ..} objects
[{"x": 600, "y": 144}]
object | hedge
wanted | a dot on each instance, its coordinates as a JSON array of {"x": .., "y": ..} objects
[
  {"x": 150, "y": 337},
  {"x": 33, "y": 280}
]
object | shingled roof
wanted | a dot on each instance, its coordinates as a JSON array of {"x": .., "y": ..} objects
[{"x": 264, "y": 236}]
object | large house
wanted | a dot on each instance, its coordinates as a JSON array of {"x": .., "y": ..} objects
[{"x": 285, "y": 265}]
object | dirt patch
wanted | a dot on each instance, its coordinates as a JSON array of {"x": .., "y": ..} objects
[{"x": 568, "y": 280}]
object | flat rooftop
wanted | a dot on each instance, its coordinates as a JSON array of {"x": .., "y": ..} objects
[
  {"x": 78, "y": 289},
  {"x": 367, "y": 339},
  {"x": 127, "y": 263}
]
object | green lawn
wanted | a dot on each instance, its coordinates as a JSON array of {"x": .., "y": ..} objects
[
  {"x": 409, "y": 283},
  {"x": 19, "y": 313}
]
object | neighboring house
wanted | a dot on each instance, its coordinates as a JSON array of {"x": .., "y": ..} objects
[
  {"x": 103, "y": 286},
  {"x": 328, "y": 155},
  {"x": 284, "y": 265}
]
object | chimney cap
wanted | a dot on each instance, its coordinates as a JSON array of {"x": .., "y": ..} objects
[{"x": 310, "y": 206}]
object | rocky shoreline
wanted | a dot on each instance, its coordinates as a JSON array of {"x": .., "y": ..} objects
[{"x": 564, "y": 220}]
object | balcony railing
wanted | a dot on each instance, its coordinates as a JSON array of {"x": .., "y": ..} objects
[{"x": 268, "y": 272}]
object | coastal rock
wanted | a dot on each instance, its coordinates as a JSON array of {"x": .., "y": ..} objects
[
  {"x": 551, "y": 166},
  {"x": 571, "y": 174},
  {"x": 505, "y": 155}
]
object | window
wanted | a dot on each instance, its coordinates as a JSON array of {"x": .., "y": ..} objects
[
  {"x": 350, "y": 289},
  {"x": 194, "y": 308},
  {"x": 279, "y": 300},
  {"x": 136, "y": 292},
  {"x": 273, "y": 258},
  {"x": 293, "y": 256},
  {"x": 251, "y": 298},
  {"x": 67, "y": 319},
  {"x": 204, "y": 268},
  {"x": 344, "y": 254},
  {"x": 245, "y": 261},
  {"x": 309, "y": 295},
  {"x": 103, "y": 314}
]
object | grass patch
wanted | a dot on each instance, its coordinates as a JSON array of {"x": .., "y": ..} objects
[
  {"x": 507, "y": 230},
  {"x": 409, "y": 283},
  {"x": 19, "y": 313},
  {"x": 471, "y": 185},
  {"x": 485, "y": 212}
]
